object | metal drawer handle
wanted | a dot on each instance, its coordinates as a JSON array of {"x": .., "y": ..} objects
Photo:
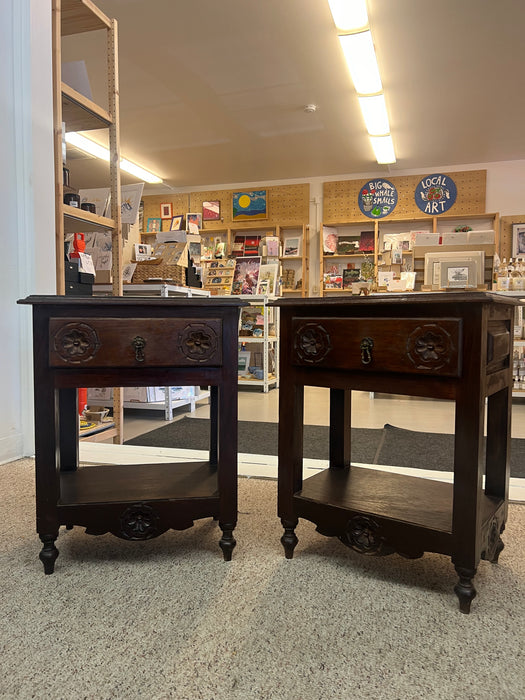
[
  {"x": 366, "y": 350},
  {"x": 139, "y": 344}
]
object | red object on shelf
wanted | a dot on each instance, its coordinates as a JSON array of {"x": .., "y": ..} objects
[
  {"x": 82, "y": 400},
  {"x": 79, "y": 245}
]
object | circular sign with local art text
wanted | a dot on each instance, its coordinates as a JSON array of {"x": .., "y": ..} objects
[
  {"x": 436, "y": 194},
  {"x": 377, "y": 198}
]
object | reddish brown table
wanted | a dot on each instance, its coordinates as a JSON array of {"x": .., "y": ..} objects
[
  {"x": 444, "y": 345},
  {"x": 116, "y": 341}
]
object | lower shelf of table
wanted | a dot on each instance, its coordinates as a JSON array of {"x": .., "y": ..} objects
[
  {"x": 138, "y": 482},
  {"x": 406, "y": 500}
]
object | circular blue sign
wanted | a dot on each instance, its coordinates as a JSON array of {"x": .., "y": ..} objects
[
  {"x": 377, "y": 198},
  {"x": 436, "y": 194}
]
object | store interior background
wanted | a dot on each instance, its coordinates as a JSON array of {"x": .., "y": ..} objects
[{"x": 213, "y": 97}]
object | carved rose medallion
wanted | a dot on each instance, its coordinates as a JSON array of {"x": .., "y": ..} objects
[
  {"x": 312, "y": 343},
  {"x": 139, "y": 522},
  {"x": 198, "y": 342},
  {"x": 76, "y": 343},
  {"x": 362, "y": 536},
  {"x": 429, "y": 347}
]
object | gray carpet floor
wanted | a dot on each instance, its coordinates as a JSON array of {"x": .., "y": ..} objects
[
  {"x": 391, "y": 446},
  {"x": 169, "y": 618}
]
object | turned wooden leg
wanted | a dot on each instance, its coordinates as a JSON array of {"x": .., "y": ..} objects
[
  {"x": 227, "y": 541},
  {"x": 464, "y": 588},
  {"x": 48, "y": 553},
  {"x": 289, "y": 538}
]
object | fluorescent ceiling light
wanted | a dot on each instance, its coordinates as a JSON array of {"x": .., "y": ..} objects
[
  {"x": 95, "y": 149},
  {"x": 361, "y": 60},
  {"x": 375, "y": 115},
  {"x": 383, "y": 149},
  {"x": 349, "y": 15}
]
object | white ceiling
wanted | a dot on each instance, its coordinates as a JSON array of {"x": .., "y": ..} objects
[{"x": 213, "y": 91}]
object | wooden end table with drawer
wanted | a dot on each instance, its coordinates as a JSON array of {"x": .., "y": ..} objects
[
  {"x": 117, "y": 341},
  {"x": 448, "y": 345}
]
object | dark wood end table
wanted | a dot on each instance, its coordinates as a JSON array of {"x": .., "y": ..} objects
[
  {"x": 449, "y": 345},
  {"x": 116, "y": 341}
]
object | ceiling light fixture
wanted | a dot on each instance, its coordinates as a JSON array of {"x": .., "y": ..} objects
[
  {"x": 351, "y": 19},
  {"x": 93, "y": 148},
  {"x": 349, "y": 16},
  {"x": 375, "y": 114},
  {"x": 383, "y": 149},
  {"x": 358, "y": 50}
]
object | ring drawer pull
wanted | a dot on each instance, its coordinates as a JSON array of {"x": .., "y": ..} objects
[
  {"x": 366, "y": 350},
  {"x": 139, "y": 344}
]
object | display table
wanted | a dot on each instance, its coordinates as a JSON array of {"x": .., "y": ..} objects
[
  {"x": 442, "y": 345},
  {"x": 116, "y": 341}
]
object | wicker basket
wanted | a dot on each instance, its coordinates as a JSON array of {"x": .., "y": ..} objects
[{"x": 157, "y": 269}]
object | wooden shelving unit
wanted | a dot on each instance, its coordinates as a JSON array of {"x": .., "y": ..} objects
[
  {"x": 298, "y": 263},
  {"x": 432, "y": 224},
  {"x": 79, "y": 113}
]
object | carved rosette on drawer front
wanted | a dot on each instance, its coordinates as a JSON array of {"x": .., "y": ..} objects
[
  {"x": 198, "y": 342},
  {"x": 312, "y": 343},
  {"x": 139, "y": 522},
  {"x": 430, "y": 347},
  {"x": 76, "y": 343}
]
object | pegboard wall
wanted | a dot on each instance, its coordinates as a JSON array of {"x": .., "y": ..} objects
[
  {"x": 340, "y": 199},
  {"x": 505, "y": 241},
  {"x": 287, "y": 205}
]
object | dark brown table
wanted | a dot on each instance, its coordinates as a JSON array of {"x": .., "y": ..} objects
[
  {"x": 444, "y": 345},
  {"x": 116, "y": 341}
]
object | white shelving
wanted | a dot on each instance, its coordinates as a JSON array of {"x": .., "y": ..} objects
[{"x": 268, "y": 342}]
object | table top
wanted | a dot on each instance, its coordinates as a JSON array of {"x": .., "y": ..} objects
[
  {"x": 399, "y": 298},
  {"x": 101, "y": 302}
]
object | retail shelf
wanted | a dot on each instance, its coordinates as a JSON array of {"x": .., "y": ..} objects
[{"x": 81, "y": 113}]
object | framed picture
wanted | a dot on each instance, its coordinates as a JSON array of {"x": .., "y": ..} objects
[
  {"x": 154, "y": 224},
  {"x": 518, "y": 239},
  {"x": 247, "y": 206},
  {"x": 244, "y": 363},
  {"x": 437, "y": 276},
  {"x": 211, "y": 211},
  {"x": 246, "y": 275},
  {"x": 166, "y": 211},
  {"x": 193, "y": 221},
  {"x": 267, "y": 282},
  {"x": 176, "y": 223},
  {"x": 292, "y": 247},
  {"x": 460, "y": 273}
]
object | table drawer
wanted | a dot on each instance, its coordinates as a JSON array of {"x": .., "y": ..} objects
[
  {"x": 122, "y": 342},
  {"x": 408, "y": 345}
]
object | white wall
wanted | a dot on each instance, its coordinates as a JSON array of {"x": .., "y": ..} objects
[
  {"x": 27, "y": 203},
  {"x": 26, "y": 180}
]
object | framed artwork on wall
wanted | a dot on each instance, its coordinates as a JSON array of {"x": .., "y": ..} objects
[
  {"x": 166, "y": 210},
  {"x": 154, "y": 224},
  {"x": 176, "y": 223},
  {"x": 247, "y": 206},
  {"x": 211, "y": 211},
  {"x": 192, "y": 221},
  {"x": 518, "y": 240}
]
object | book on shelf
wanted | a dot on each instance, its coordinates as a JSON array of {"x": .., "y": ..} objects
[
  {"x": 366, "y": 242},
  {"x": 330, "y": 237},
  {"x": 350, "y": 276},
  {"x": 348, "y": 244},
  {"x": 333, "y": 281},
  {"x": 292, "y": 247},
  {"x": 272, "y": 246}
]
